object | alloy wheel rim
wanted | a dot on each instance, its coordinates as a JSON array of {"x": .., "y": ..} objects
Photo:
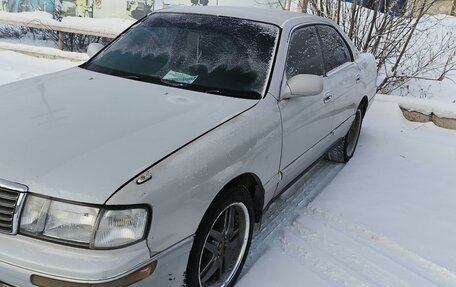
[
  {"x": 353, "y": 134},
  {"x": 224, "y": 247}
]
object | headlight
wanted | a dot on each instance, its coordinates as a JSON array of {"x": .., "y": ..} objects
[
  {"x": 81, "y": 225},
  {"x": 57, "y": 220},
  {"x": 121, "y": 227}
]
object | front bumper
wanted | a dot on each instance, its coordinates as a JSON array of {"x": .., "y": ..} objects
[{"x": 66, "y": 266}]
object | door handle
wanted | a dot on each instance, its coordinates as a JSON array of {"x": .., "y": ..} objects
[
  {"x": 358, "y": 78},
  {"x": 328, "y": 98}
]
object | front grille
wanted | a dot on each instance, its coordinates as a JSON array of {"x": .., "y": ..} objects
[{"x": 8, "y": 203}]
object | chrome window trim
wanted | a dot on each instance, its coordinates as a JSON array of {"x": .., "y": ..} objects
[{"x": 339, "y": 68}]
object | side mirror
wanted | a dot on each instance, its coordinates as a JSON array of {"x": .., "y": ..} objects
[
  {"x": 93, "y": 49},
  {"x": 303, "y": 86}
]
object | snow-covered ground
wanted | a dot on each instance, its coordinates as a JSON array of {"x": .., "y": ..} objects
[{"x": 387, "y": 218}]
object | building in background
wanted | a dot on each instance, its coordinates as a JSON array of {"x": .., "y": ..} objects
[
  {"x": 28, "y": 5},
  {"x": 134, "y": 9},
  {"x": 442, "y": 7},
  {"x": 78, "y": 8},
  {"x": 139, "y": 8}
]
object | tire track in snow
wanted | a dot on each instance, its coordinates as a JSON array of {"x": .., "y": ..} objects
[
  {"x": 282, "y": 213},
  {"x": 328, "y": 270},
  {"x": 438, "y": 275},
  {"x": 286, "y": 208},
  {"x": 346, "y": 254}
]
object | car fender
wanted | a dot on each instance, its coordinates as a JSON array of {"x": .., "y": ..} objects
[{"x": 184, "y": 184}]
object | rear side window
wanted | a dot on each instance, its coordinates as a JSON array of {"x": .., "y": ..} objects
[
  {"x": 304, "y": 54},
  {"x": 335, "y": 50}
]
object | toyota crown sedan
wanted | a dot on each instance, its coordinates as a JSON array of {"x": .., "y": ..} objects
[{"x": 150, "y": 164}]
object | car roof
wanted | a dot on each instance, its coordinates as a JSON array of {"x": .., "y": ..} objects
[{"x": 267, "y": 15}]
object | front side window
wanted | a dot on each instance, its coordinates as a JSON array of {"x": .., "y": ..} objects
[
  {"x": 304, "y": 54},
  {"x": 215, "y": 55},
  {"x": 335, "y": 50}
]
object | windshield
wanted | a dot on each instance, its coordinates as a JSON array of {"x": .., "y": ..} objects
[{"x": 215, "y": 55}]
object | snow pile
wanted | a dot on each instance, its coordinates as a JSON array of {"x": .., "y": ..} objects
[
  {"x": 423, "y": 106},
  {"x": 43, "y": 52},
  {"x": 113, "y": 26},
  {"x": 26, "y": 17}
]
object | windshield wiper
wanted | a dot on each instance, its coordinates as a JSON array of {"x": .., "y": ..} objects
[
  {"x": 228, "y": 94},
  {"x": 133, "y": 78},
  {"x": 140, "y": 78},
  {"x": 215, "y": 92},
  {"x": 137, "y": 78}
]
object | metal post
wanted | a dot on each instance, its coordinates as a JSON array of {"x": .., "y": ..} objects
[
  {"x": 288, "y": 5},
  {"x": 61, "y": 40},
  {"x": 302, "y": 6}
]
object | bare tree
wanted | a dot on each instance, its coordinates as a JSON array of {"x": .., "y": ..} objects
[
  {"x": 303, "y": 6},
  {"x": 405, "y": 46}
]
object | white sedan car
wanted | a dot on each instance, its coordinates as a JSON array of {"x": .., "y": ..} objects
[{"x": 150, "y": 164}]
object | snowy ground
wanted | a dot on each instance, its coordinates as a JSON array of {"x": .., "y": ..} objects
[{"x": 384, "y": 219}]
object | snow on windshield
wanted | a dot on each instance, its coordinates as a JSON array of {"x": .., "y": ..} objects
[{"x": 208, "y": 53}]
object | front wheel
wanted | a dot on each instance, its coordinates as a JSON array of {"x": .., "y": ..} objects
[
  {"x": 222, "y": 240},
  {"x": 345, "y": 149}
]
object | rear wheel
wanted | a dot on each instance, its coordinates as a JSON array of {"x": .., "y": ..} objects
[
  {"x": 345, "y": 149},
  {"x": 222, "y": 241}
]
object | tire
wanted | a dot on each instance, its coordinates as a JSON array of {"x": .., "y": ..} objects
[
  {"x": 345, "y": 149},
  {"x": 219, "y": 253}
]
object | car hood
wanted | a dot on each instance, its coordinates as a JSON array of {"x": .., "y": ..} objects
[{"x": 80, "y": 135}]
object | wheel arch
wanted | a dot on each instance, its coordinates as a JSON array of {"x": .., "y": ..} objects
[
  {"x": 363, "y": 105},
  {"x": 255, "y": 188}
]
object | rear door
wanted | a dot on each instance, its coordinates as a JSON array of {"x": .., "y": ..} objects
[{"x": 342, "y": 73}]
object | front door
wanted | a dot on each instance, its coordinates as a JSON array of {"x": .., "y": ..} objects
[{"x": 307, "y": 121}]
